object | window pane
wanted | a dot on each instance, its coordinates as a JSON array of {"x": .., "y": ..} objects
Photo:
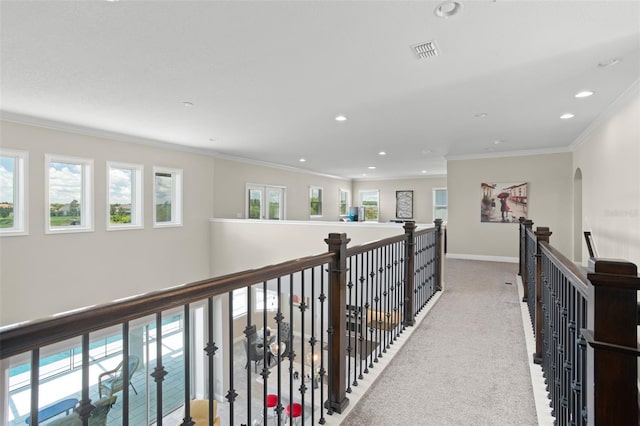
[
  {"x": 369, "y": 200},
  {"x": 315, "y": 201},
  {"x": 255, "y": 201},
  {"x": 120, "y": 195},
  {"x": 7, "y": 191},
  {"x": 164, "y": 196},
  {"x": 239, "y": 302},
  {"x": 65, "y": 194},
  {"x": 441, "y": 197},
  {"x": 275, "y": 197},
  {"x": 272, "y": 300},
  {"x": 441, "y": 213},
  {"x": 344, "y": 202}
]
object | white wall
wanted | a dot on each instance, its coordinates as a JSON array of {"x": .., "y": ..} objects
[
  {"x": 271, "y": 242},
  {"x": 231, "y": 178},
  {"x": 549, "y": 177},
  {"x": 45, "y": 274},
  {"x": 422, "y": 195},
  {"x": 609, "y": 159}
]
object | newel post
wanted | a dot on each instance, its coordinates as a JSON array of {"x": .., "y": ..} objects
[
  {"x": 337, "y": 331},
  {"x": 409, "y": 268},
  {"x": 542, "y": 234},
  {"x": 525, "y": 225},
  {"x": 439, "y": 254},
  {"x": 612, "y": 334}
]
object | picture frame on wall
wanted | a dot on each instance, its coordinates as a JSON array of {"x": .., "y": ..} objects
[
  {"x": 404, "y": 204},
  {"x": 503, "y": 202}
]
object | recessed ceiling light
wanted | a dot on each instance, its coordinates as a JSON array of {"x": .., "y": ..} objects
[
  {"x": 424, "y": 172},
  {"x": 382, "y": 153},
  {"x": 480, "y": 114},
  {"x": 371, "y": 167},
  {"x": 567, "y": 116},
  {"x": 187, "y": 104},
  {"x": 447, "y": 9},
  {"x": 341, "y": 117},
  {"x": 364, "y": 174},
  {"x": 497, "y": 142},
  {"x": 426, "y": 151},
  {"x": 302, "y": 160},
  {"x": 608, "y": 63},
  {"x": 584, "y": 94}
]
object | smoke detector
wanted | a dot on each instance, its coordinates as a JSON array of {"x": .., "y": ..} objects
[{"x": 425, "y": 50}]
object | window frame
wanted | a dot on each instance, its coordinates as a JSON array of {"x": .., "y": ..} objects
[
  {"x": 20, "y": 193},
  {"x": 137, "y": 196},
  {"x": 435, "y": 205},
  {"x": 259, "y": 300},
  {"x": 347, "y": 202},
  {"x": 360, "y": 193},
  {"x": 87, "y": 189},
  {"x": 176, "y": 197},
  {"x": 240, "y": 295},
  {"x": 320, "y": 191}
]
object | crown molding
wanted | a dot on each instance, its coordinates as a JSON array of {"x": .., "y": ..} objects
[
  {"x": 503, "y": 154},
  {"x": 420, "y": 177},
  {"x": 122, "y": 137},
  {"x": 608, "y": 113}
]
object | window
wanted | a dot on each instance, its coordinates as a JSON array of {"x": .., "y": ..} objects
[
  {"x": 370, "y": 200},
  {"x": 69, "y": 194},
  {"x": 124, "y": 191},
  {"x": 315, "y": 201},
  {"x": 265, "y": 202},
  {"x": 13, "y": 187},
  {"x": 440, "y": 203},
  {"x": 167, "y": 197},
  {"x": 272, "y": 300},
  {"x": 344, "y": 201},
  {"x": 239, "y": 302}
]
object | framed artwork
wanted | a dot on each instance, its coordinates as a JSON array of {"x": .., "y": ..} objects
[
  {"x": 297, "y": 300},
  {"x": 404, "y": 204},
  {"x": 503, "y": 202}
]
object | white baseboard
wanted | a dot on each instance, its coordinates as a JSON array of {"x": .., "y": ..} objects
[{"x": 505, "y": 259}]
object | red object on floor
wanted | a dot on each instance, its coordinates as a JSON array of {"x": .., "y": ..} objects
[
  {"x": 272, "y": 400},
  {"x": 297, "y": 410}
]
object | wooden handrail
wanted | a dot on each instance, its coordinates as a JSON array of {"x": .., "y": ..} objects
[
  {"x": 576, "y": 274},
  {"x": 22, "y": 337}
]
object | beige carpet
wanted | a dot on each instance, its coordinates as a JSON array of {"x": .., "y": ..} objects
[{"x": 465, "y": 364}]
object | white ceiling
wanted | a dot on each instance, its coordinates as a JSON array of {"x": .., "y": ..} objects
[{"x": 266, "y": 79}]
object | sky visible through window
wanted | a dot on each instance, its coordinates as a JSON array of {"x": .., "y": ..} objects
[
  {"x": 121, "y": 186},
  {"x": 7, "y": 171},
  {"x": 65, "y": 183}
]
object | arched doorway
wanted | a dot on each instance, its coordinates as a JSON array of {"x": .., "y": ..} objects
[{"x": 577, "y": 216}]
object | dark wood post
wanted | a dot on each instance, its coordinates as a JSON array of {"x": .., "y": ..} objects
[
  {"x": 542, "y": 234},
  {"x": 337, "y": 326},
  {"x": 614, "y": 341},
  {"x": 409, "y": 269},
  {"x": 525, "y": 225},
  {"x": 439, "y": 254}
]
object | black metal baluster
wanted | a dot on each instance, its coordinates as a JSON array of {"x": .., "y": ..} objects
[
  {"x": 231, "y": 393},
  {"x": 247, "y": 330},
  {"x": 361, "y": 326},
  {"x": 159, "y": 372},
  {"x": 126, "y": 373},
  {"x": 279, "y": 317},
  {"x": 186, "y": 350},
  {"x": 350, "y": 313},
  {"x": 322, "y": 372},
  {"x": 35, "y": 386},
  {"x": 211, "y": 350},
  {"x": 265, "y": 353},
  {"x": 314, "y": 342}
]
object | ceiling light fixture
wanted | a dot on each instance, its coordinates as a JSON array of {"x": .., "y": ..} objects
[
  {"x": 447, "y": 9},
  {"x": 424, "y": 172},
  {"x": 497, "y": 142},
  {"x": 584, "y": 94},
  {"x": 187, "y": 104},
  {"x": 480, "y": 114},
  {"x": 371, "y": 167},
  {"x": 341, "y": 117},
  {"x": 302, "y": 160},
  {"x": 381, "y": 153},
  {"x": 567, "y": 116}
]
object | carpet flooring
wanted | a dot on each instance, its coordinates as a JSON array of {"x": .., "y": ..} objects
[{"x": 465, "y": 364}]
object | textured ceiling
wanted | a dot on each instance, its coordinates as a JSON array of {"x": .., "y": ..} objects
[{"x": 266, "y": 79}]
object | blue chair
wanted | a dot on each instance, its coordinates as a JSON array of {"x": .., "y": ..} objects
[{"x": 112, "y": 381}]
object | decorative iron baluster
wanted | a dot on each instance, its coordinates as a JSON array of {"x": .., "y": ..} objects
[
  {"x": 322, "y": 371},
  {"x": 35, "y": 386},
  {"x": 125, "y": 373},
  {"x": 350, "y": 313},
  {"x": 231, "y": 393},
  {"x": 211, "y": 350},
  {"x": 186, "y": 350},
  {"x": 159, "y": 372}
]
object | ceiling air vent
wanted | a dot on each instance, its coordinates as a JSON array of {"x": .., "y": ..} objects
[{"x": 425, "y": 50}]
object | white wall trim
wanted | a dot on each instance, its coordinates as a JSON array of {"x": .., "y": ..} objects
[
  {"x": 505, "y": 259},
  {"x": 523, "y": 153},
  {"x": 420, "y": 177}
]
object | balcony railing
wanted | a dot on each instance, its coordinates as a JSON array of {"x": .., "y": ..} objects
[
  {"x": 313, "y": 326},
  {"x": 585, "y": 326}
]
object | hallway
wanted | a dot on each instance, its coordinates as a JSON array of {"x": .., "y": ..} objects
[{"x": 466, "y": 363}]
